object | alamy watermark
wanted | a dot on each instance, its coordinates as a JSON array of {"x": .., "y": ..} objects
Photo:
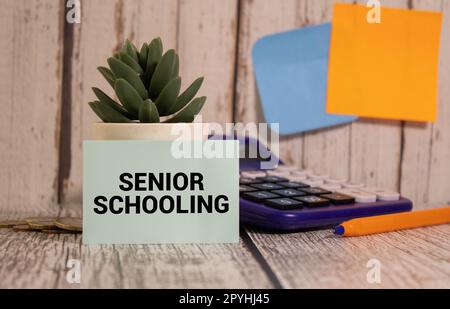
[
  {"x": 73, "y": 15},
  {"x": 374, "y": 274},
  {"x": 374, "y": 14},
  {"x": 257, "y": 141},
  {"x": 73, "y": 275}
]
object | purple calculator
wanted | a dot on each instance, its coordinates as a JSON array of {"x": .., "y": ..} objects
[{"x": 286, "y": 198}]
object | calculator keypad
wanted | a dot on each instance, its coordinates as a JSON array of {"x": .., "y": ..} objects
[
  {"x": 284, "y": 203},
  {"x": 287, "y": 188},
  {"x": 259, "y": 196},
  {"x": 331, "y": 187},
  {"x": 313, "y": 201},
  {"x": 243, "y": 188},
  {"x": 383, "y": 195},
  {"x": 298, "y": 178},
  {"x": 319, "y": 177},
  {"x": 293, "y": 184},
  {"x": 278, "y": 173},
  {"x": 339, "y": 199},
  {"x": 272, "y": 179},
  {"x": 248, "y": 181},
  {"x": 351, "y": 185},
  {"x": 287, "y": 168},
  {"x": 315, "y": 191},
  {"x": 359, "y": 195},
  {"x": 289, "y": 192},
  {"x": 335, "y": 181},
  {"x": 253, "y": 174},
  {"x": 313, "y": 183},
  {"x": 267, "y": 186}
]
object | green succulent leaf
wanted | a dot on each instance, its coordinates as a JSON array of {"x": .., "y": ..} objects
[
  {"x": 176, "y": 66},
  {"x": 108, "y": 75},
  {"x": 128, "y": 95},
  {"x": 188, "y": 114},
  {"x": 107, "y": 113},
  {"x": 155, "y": 51},
  {"x": 163, "y": 74},
  {"x": 131, "y": 50},
  {"x": 143, "y": 55},
  {"x": 105, "y": 99},
  {"x": 130, "y": 62},
  {"x": 168, "y": 96},
  {"x": 94, "y": 107},
  {"x": 148, "y": 113},
  {"x": 156, "y": 46},
  {"x": 121, "y": 70},
  {"x": 187, "y": 96}
]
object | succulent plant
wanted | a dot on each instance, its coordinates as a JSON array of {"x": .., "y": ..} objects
[{"x": 147, "y": 83}]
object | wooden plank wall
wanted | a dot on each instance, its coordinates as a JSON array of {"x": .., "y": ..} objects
[
  {"x": 48, "y": 67},
  {"x": 31, "y": 50}
]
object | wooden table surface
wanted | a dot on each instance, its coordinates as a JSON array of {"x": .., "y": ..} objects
[{"x": 417, "y": 258}]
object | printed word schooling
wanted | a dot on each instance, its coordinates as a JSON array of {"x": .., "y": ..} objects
[{"x": 167, "y": 203}]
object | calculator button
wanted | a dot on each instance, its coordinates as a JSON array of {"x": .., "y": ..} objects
[
  {"x": 289, "y": 192},
  {"x": 277, "y": 173},
  {"x": 259, "y": 196},
  {"x": 297, "y": 178},
  {"x": 293, "y": 184},
  {"x": 352, "y": 185},
  {"x": 315, "y": 191},
  {"x": 339, "y": 199},
  {"x": 318, "y": 177},
  {"x": 243, "y": 188},
  {"x": 313, "y": 183},
  {"x": 253, "y": 174},
  {"x": 301, "y": 173},
  {"x": 267, "y": 186},
  {"x": 333, "y": 181},
  {"x": 383, "y": 195},
  {"x": 248, "y": 181},
  {"x": 286, "y": 168},
  {"x": 284, "y": 203},
  {"x": 272, "y": 179},
  {"x": 313, "y": 201},
  {"x": 330, "y": 187},
  {"x": 359, "y": 195}
]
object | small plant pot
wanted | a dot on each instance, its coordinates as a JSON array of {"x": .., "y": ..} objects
[{"x": 150, "y": 131}]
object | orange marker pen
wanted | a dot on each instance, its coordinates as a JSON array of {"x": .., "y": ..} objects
[{"x": 393, "y": 222}]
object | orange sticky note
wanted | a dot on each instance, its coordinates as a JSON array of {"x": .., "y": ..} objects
[{"x": 387, "y": 69}]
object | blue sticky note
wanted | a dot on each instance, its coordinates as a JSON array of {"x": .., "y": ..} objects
[{"x": 291, "y": 73}]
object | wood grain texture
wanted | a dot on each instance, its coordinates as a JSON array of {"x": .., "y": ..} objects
[
  {"x": 172, "y": 266},
  {"x": 327, "y": 150},
  {"x": 104, "y": 27},
  {"x": 37, "y": 260},
  {"x": 207, "y": 47},
  {"x": 317, "y": 259},
  {"x": 375, "y": 153},
  {"x": 257, "y": 19},
  {"x": 409, "y": 259},
  {"x": 418, "y": 140},
  {"x": 30, "y": 90}
]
